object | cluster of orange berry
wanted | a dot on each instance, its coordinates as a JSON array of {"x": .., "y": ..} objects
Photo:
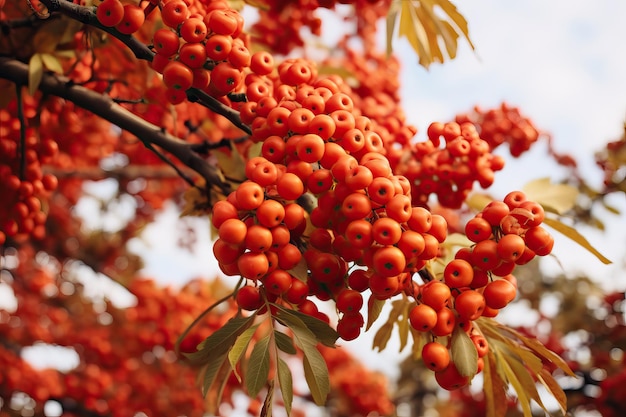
[
  {"x": 448, "y": 164},
  {"x": 205, "y": 50},
  {"x": 478, "y": 282},
  {"x": 504, "y": 124},
  {"x": 362, "y": 233},
  {"x": 22, "y": 182}
]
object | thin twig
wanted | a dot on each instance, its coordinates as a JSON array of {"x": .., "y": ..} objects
[{"x": 106, "y": 108}]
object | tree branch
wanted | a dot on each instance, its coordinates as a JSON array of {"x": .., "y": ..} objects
[
  {"x": 106, "y": 108},
  {"x": 87, "y": 16}
]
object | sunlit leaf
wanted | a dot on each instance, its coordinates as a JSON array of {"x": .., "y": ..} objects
[
  {"x": 573, "y": 234},
  {"x": 284, "y": 342},
  {"x": 374, "y": 308},
  {"x": 258, "y": 366},
  {"x": 221, "y": 341},
  {"x": 477, "y": 201},
  {"x": 239, "y": 348},
  {"x": 35, "y": 73},
  {"x": 320, "y": 329},
  {"x": 392, "y": 15},
  {"x": 463, "y": 353},
  {"x": 494, "y": 388},
  {"x": 428, "y": 24},
  {"x": 514, "y": 381},
  {"x": 315, "y": 369},
  {"x": 526, "y": 381},
  {"x": 548, "y": 381},
  {"x": 316, "y": 375},
  {"x": 556, "y": 198},
  {"x": 382, "y": 336},
  {"x": 286, "y": 384},
  {"x": 52, "y": 63}
]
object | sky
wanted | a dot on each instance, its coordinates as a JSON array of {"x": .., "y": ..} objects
[{"x": 562, "y": 62}]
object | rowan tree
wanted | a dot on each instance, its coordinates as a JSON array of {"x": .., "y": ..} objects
[{"x": 328, "y": 216}]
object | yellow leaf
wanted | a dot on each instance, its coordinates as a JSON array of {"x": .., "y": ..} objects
[
  {"x": 231, "y": 164},
  {"x": 426, "y": 23},
  {"x": 556, "y": 198},
  {"x": 35, "y": 73},
  {"x": 477, "y": 202},
  {"x": 513, "y": 380},
  {"x": 555, "y": 389},
  {"x": 52, "y": 63},
  {"x": 392, "y": 15},
  {"x": 573, "y": 234},
  {"x": 494, "y": 388}
]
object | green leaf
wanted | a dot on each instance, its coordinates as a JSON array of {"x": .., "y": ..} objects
[
  {"x": 320, "y": 329},
  {"x": 240, "y": 347},
  {"x": 222, "y": 340},
  {"x": 556, "y": 198},
  {"x": 35, "y": 73},
  {"x": 315, "y": 369},
  {"x": 284, "y": 342},
  {"x": 464, "y": 354},
  {"x": 286, "y": 384},
  {"x": 374, "y": 308},
  {"x": 573, "y": 234},
  {"x": 258, "y": 367},
  {"x": 316, "y": 375},
  {"x": 213, "y": 365}
]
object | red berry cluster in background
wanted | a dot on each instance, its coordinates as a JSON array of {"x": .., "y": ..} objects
[
  {"x": 478, "y": 282},
  {"x": 502, "y": 125},
  {"x": 449, "y": 163}
]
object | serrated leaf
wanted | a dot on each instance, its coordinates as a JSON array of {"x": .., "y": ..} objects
[
  {"x": 315, "y": 369},
  {"x": 35, "y": 73},
  {"x": 266, "y": 410},
  {"x": 526, "y": 381},
  {"x": 284, "y": 342},
  {"x": 425, "y": 27},
  {"x": 556, "y": 198},
  {"x": 538, "y": 348},
  {"x": 321, "y": 331},
  {"x": 494, "y": 388},
  {"x": 573, "y": 234},
  {"x": 463, "y": 353},
  {"x": 286, "y": 384},
  {"x": 240, "y": 347},
  {"x": 548, "y": 381},
  {"x": 316, "y": 375},
  {"x": 231, "y": 164},
  {"x": 221, "y": 341},
  {"x": 213, "y": 365},
  {"x": 52, "y": 63},
  {"x": 374, "y": 308},
  {"x": 517, "y": 386},
  {"x": 392, "y": 15},
  {"x": 382, "y": 336},
  {"x": 300, "y": 271},
  {"x": 258, "y": 367}
]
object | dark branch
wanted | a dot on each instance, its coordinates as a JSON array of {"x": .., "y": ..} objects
[{"x": 106, "y": 108}]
